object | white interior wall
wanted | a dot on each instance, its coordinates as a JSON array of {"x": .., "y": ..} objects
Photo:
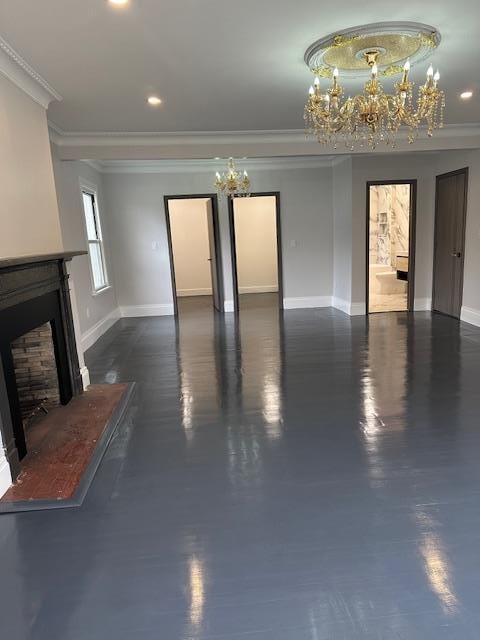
[
  {"x": 191, "y": 246},
  {"x": 139, "y": 240},
  {"x": 256, "y": 244},
  {"x": 96, "y": 311},
  {"x": 28, "y": 212}
]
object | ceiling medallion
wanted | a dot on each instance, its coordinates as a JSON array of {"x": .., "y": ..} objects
[
  {"x": 232, "y": 182},
  {"x": 385, "y": 49}
]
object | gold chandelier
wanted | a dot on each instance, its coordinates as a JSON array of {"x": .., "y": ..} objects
[
  {"x": 232, "y": 182},
  {"x": 374, "y": 116}
]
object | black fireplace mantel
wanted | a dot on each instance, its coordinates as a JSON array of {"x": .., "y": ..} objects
[
  {"x": 6, "y": 262},
  {"x": 33, "y": 290}
]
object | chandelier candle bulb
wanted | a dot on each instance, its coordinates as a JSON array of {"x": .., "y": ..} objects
[
  {"x": 430, "y": 72},
  {"x": 311, "y": 91}
]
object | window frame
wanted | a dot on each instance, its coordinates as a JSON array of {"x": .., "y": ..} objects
[{"x": 90, "y": 189}]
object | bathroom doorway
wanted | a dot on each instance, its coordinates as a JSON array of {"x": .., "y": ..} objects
[{"x": 391, "y": 245}]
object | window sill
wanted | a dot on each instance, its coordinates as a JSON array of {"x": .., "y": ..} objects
[{"x": 98, "y": 292}]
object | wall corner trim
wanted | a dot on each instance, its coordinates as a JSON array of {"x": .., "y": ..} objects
[
  {"x": 5, "y": 475},
  {"x": 18, "y": 71},
  {"x": 94, "y": 333},
  {"x": 422, "y": 304},
  {"x": 470, "y": 315},
  {"x": 307, "y": 302},
  {"x": 144, "y": 310},
  {"x": 350, "y": 308}
]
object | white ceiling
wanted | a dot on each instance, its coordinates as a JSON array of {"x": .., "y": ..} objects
[{"x": 218, "y": 66}]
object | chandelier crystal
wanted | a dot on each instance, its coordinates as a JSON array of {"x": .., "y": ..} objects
[
  {"x": 374, "y": 116},
  {"x": 232, "y": 182}
]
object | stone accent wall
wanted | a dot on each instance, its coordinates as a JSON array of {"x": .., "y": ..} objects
[{"x": 36, "y": 371}]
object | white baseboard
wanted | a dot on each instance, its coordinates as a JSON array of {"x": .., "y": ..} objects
[
  {"x": 5, "y": 475},
  {"x": 94, "y": 333},
  {"x": 85, "y": 373},
  {"x": 228, "y": 306},
  {"x": 422, "y": 304},
  {"x": 181, "y": 293},
  {"x": 470, "y": 315},
  {"x": 350, "y": 308},
  {"x": 140, "y": 311},
  {"x": 309, "y": 302},
  {"x": 263, "y": 288}
]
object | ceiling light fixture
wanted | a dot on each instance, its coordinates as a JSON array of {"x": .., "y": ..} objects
[
  {"x": 232, "y": 182},
  {"x": 119, "y": 3},
  {"x": 466, "y": 95},
  {"x": 154, "y": 101},
  {"x": 373, "y": 116}
]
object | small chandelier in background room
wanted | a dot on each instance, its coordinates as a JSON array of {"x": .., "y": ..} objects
[
  {"x": 232, "y": 182},
  {"x": 372, "y": 117}
]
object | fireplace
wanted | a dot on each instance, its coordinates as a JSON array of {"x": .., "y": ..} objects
[
  {"x": 38, "y": 356},
  {"x": 36, "y": 376}
]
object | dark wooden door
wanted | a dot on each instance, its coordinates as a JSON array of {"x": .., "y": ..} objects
[
  {"x": 450, "y": 214},
  {"x": 217, "y": 299}
]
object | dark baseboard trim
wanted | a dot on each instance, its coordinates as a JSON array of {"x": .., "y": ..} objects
[{"x": 77, "y": 499}]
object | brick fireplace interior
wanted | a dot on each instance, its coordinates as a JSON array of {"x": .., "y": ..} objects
[{"x": 36, "y": 375}]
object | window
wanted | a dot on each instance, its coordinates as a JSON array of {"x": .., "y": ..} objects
[{"x": 95, "y": 241}]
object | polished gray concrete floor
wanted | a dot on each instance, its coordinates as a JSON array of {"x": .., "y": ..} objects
[{"x": 313, "y": 478}]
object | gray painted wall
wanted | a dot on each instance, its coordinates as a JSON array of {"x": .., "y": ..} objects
[
  {"x": 342, "y": 232},
  {"x": 450, "y": 162},
  {"x": 137, "y": 219}
]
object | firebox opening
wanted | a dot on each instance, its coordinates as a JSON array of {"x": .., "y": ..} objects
[{"x": 36, "y": 374}]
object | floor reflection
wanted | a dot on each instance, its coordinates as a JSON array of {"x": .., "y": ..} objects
[{"x": 197, "y": 592}]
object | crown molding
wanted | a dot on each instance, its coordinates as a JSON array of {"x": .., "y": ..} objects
[
  {"x": 18, "y": 71},
  {"x": 154, "y": 138},
  {"x": 173, "y": 146},
  {"x": 208, "y": 165}
]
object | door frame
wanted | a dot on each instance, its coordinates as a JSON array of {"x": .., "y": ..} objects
[
  {"x": 412, "y": 238},
  {"x": 450, "y": 174},
  {"x": 233, "y": 246},
  {"x": 216, "y": 233}
]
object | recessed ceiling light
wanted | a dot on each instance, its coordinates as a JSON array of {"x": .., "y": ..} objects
[
  {"x": 466, "y": 95},
  {"x": 119, "y": 3},
  {"x": 154, "y": 101}
]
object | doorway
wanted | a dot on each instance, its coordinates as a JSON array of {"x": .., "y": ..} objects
[
  {"x": 255, "y": 235},
  {"x": 449, "y": 247},
  {"x": 391, "y": 214},
  {"x": 194, "y": 249}
]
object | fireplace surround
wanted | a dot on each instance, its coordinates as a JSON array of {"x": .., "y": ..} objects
[{"x": 34, "y": 294}]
